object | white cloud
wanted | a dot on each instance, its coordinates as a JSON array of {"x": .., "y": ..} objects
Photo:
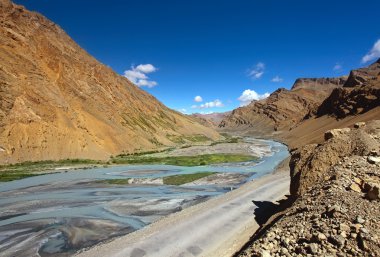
[
  {"x": 338, "y": 67},
  {"x": 146, "y": 68},
  {"x": 212, "y": 104},
  {"x": 183, "y": 110},
  {"x": 198, "y": 99},
  {"x": 258, "y": 71},
  {"x": 277, "y": 79},
  {"x": 373, "y": 54},
  {"x": 137, "y": 75},
  {"x": 249, "y": 95}
]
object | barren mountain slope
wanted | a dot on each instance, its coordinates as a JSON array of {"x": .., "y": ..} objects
[
  {"x": 358, "y": 100},
  {"x": 59, "y": 102},
  {"x": 283, "y": 108},
  {"x": 212, "y": 119}
]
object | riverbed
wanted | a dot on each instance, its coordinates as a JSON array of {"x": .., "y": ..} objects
[{"x": 59, "y": 214}]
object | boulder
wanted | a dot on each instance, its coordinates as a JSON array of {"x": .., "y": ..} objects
[{"x": 334, "y": 133}]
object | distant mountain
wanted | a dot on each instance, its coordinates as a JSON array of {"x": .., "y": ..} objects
[
  {"x": 211, "y": 119},
  {"x": 284, "y": 108},
  {"x": 358, "y": 100},
  {"x": 59, "y": 102},
  {"x": 312, "y": 106}
]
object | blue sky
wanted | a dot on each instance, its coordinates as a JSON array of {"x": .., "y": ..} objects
[{"x": 219, "y": 49}]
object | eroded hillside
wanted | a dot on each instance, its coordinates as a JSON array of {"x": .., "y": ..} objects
[
  {"x": 59, "y": 102},
  {"x": 336, "y": 213}
]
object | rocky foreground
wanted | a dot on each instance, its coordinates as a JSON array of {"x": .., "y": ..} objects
[{"x": 336, "y": 212}]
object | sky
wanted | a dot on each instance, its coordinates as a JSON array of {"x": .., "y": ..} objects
[{"x": 215, "y": 55}]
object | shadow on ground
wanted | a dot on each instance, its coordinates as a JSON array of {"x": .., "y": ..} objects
[
  {"x": 266, "y": 215},
  {"x": 264, "y": 210}
]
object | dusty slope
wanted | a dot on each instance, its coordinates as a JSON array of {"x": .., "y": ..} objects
[
  {"x": 337, "y": 212},
  {"x": 283, "y": 108},
  {"x": 58, "y": 102}
]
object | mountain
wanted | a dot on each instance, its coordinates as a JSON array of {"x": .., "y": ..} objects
[
  {"x": 210, "y": 119},
  {"x": 283, "y": 108},
  {"x": 358, "y": 100},
  {"x": 302, "y": 114},
  {"x": 58, "y": 102}
]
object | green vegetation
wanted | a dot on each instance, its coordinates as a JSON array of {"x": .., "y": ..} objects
[
  {"x": 228, "y": 140},
  {"x": 9, "y": 176},
  {"x": 29, "y": 169},
  {"x": 121, "y": 181},
  {"x": 198, "y": 160},
  {"x": 185, "y": 178},
  {"x": 185, "y": 139}
]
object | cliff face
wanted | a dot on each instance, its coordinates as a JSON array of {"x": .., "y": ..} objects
[
  {"x": 360, "y": 93},
  {"x": 284, "y": 108},
  {"x": 58, "y": 102}
]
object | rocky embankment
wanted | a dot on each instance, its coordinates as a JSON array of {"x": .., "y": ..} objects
[{"x": 336, "y": 212}]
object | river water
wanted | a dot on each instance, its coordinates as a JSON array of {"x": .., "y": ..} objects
[{"x": 59, "y": 214}]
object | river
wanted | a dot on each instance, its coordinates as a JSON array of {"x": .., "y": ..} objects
[{"x": 59, "y": 214}]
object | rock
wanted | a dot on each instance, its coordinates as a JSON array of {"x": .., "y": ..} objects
[
  {"x": 359, "y": 220},
  {"x": 356, "y": 227},
  {"x": 364, "y": 230},
  {"x": 336, "y": 133},
  {"x": 264, "y": 253},
  {"x": 313, "y": 248},
  {"x": 355, "y": 187},
  {"x": 333, "y": 211},
  {"x": 359, "y": 125},
  {"x": 344, "y": 227},
  {"x": 338, "y": 240},
  {"x": 373, "y": 159},
  {"x": 374, "y": 192},
  {"x": 362, "y": 243},
  {"x": 321, "y": 237},
  {"x": 358, "y": 181}
]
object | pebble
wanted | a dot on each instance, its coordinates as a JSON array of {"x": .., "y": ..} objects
[
  {"x": 359, "y": 220},
  {"x": 373, "y": 159}
]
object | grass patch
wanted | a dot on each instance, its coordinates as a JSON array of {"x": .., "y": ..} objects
[
  {"x": 228, "y": 140},
  {"x": 177, "y": 180},
  {"x": 186, "y": 139},
  {"x": 198, "y": 160},
  {"x": 5, "y": 176},
  {"x": 122, "y": 181},
  {"x": 29, "y": 169}
]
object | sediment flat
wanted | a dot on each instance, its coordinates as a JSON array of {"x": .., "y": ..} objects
[{"x": 218, "y": 227}]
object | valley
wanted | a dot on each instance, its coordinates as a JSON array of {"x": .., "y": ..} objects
[
  {"x": 92, "y": 163},
  {"x": 64, "y": 212}
]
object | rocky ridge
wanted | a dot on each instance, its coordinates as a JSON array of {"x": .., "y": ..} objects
[
  {"x": 337, "y": 190},
  {"x": 360, "y": 93},
  {"x": 284, "y": 108},
  {"x": 59, "y": 102}
]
